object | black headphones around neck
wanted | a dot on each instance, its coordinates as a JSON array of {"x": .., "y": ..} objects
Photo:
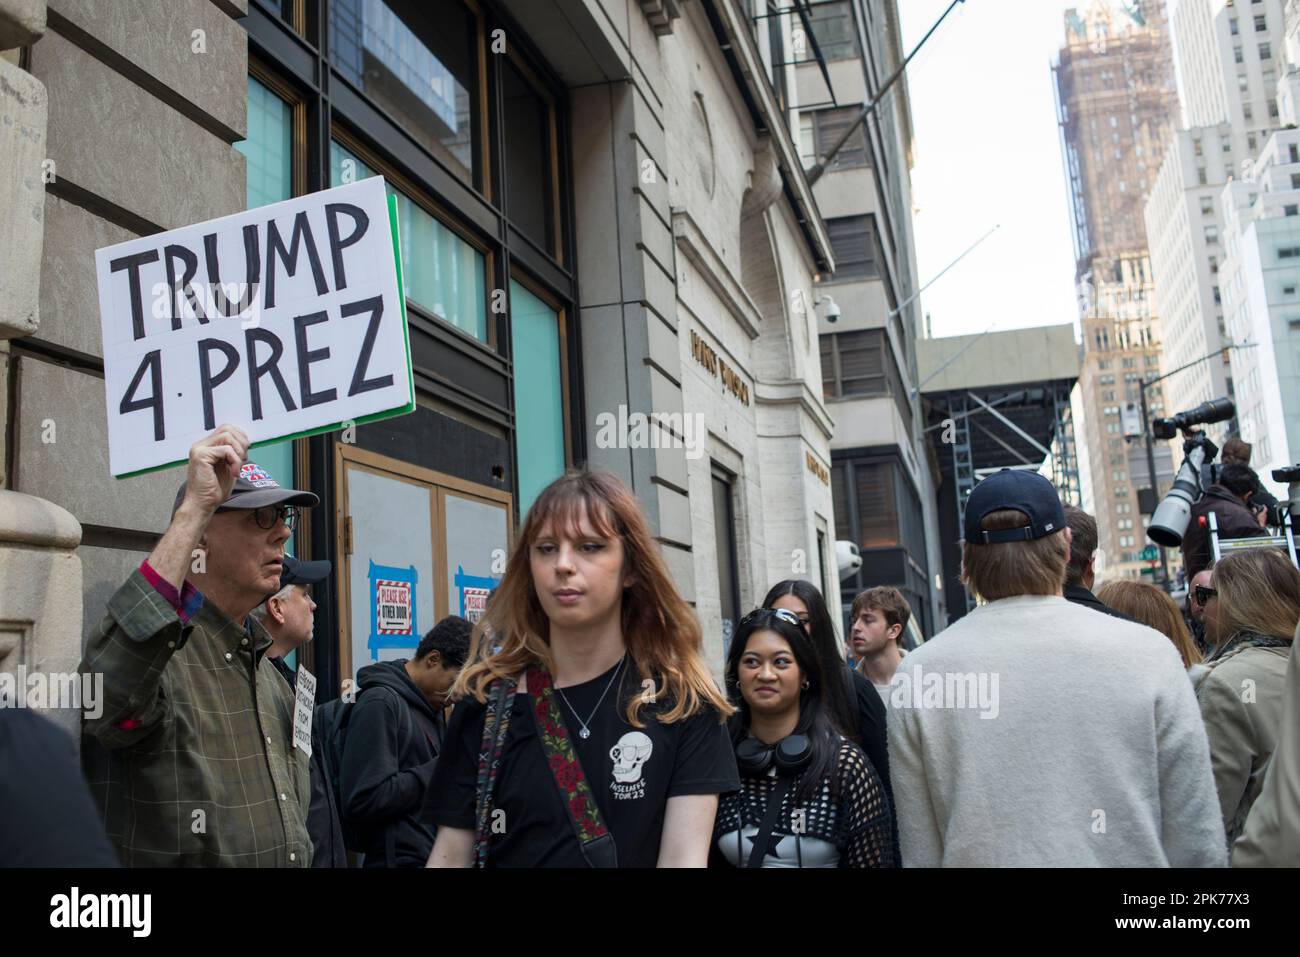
[{"x": 789, "y": 756}]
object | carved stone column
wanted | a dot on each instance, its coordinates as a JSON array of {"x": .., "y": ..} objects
[{"x": 40, "y": 572}]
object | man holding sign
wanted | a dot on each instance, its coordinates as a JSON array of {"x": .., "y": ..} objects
[{"x": 193, "y": 760}]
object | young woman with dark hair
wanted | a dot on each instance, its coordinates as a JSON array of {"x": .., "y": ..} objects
[
  {"x": 853, "y": 703},
  {"x": 593, "y": 734},
  {"x": 810, "y": 797}
]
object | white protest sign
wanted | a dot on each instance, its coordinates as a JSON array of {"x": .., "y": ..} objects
[
  {"x": 304, "y": 702},
  {"x": 284, "y": 320}
]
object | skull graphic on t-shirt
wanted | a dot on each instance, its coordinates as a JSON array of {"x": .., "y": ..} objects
[{"x": 630, "y": 755}]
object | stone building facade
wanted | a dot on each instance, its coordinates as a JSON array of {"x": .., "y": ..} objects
[
  {"x": 883, "y": 478},
  {"x": 619, "y": 173}
]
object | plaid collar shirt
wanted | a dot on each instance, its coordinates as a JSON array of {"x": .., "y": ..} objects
[{"x": 192, "y": 760}]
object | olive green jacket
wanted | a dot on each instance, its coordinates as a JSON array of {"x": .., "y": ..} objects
[
  {"x": 192, "y": 760},
  {"x": 1272, "y": 834},
  {"x": 1241, "y": 702}
]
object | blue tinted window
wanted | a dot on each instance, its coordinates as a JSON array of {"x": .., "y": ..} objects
[
  {"x": 443, "y": 273},
  {"x": 539, "y": 403}
]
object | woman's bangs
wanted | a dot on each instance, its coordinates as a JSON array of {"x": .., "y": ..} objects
[{"x": 568, "y": 508}]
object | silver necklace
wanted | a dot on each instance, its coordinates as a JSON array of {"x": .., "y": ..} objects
[{"x": 585, "y": 733}]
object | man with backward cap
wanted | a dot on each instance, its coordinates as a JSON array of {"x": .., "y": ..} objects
[
  {"x": 192, "y": 761},
  {"x": 1089, "y": 751}
]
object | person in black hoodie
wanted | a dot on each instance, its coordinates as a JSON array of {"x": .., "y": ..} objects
[{"x": 392, "y": 744}]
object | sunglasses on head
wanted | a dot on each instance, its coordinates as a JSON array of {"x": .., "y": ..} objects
[
  {"x": 1204, "y": 594},
  {"x": 763, "y": 615}
]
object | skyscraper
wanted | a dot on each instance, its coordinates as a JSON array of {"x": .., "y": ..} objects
[
  {"x": 1261, "y": 210},
  {"x": 1116, "y": 101},
  {"x": 1226, "y": 60}
]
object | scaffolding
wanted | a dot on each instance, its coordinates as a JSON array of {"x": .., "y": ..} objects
[
  {"x": 979, "y": 432},
  {"x": 1002, "y": 400}
]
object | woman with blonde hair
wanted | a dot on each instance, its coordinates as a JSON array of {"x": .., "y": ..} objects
[
  {"x": 1251, "y": 616},
  {"x": 593, "y": 735},
  {"x": 1151, "y": 606}
]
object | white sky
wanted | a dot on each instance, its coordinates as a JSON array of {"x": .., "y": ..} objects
[{"x": 987, "y": 151}]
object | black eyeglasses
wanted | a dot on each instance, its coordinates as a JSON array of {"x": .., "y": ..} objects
[
  {"x": 1204, "y": 594},
  {"x": 268, "y": 515},
  {"x": 757, "y": 615}
]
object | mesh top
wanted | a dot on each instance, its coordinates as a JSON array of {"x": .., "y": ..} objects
[{"x": 855, "y": 820}]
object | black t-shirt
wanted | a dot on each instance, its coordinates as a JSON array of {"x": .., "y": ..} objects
[
  {"x": 632, "y": 773},
  {"x": 875, "y": 743},
  {"x": 871, "y": 725}
]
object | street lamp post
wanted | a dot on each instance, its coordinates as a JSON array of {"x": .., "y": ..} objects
[{"x": 1151, "y": 469}]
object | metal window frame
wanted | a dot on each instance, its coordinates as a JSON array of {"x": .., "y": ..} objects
[{"x": 469, "y": 378}]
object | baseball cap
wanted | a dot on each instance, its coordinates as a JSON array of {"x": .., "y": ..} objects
[
  {"x": 303, "y": 573},
  {"x": 255, "y": 488},
  {"x": 1026, "y": 492}
]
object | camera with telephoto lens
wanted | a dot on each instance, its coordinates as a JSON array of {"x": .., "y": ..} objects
[
  {"x": 1216, "y": 410},
  {"x": 1290, "y": 475},
  {"x": 1169, "y": 523}
]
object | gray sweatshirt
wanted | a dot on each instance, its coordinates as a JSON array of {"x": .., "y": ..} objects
[{"x": 1038, "y": 733}]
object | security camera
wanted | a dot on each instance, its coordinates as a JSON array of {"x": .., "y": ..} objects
[
  {"x": 832, "y": 310},
  {"x": 847, "y": 559}
]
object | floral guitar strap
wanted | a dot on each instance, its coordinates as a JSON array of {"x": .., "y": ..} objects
[{"x": 596, "y": 842}]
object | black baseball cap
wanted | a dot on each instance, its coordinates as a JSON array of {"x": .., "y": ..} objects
[
  {"x": 1017, "y": 489},
  {"x": 303, "y": 573},
  {"x": 255, "y": 488}
]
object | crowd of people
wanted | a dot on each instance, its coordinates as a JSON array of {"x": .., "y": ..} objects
[{"x": 578, "y": 725}]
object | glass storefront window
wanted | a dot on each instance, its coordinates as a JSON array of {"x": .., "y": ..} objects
[
  {"x": 419, "y": 63},
  {"x": 539, "y": 403},
  {"x": 443, "y": 273},
  {"x": 269, "y": 147},
  {"x": 527, "y": 156}
]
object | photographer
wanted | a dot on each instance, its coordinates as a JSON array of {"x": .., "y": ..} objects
[
  {"x": 1230, "y": 499},
  {"x": 1236, "y": 451}
]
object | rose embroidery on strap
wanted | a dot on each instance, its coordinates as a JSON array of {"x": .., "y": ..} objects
[{"x": 563, "y": 760}]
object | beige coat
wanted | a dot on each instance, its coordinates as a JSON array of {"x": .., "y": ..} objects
[
  {"x": 1272, "y": 833},
  {"x": 1241, "y": 702}
]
